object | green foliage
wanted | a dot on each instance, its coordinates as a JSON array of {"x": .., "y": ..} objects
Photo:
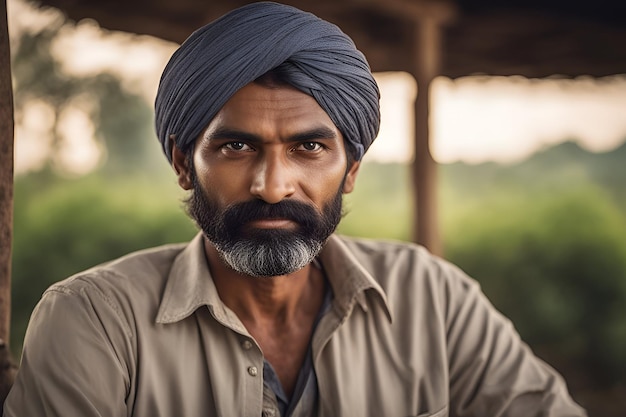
[
  {"x": 125, "y": 124},
  {"x": 36, "y": 73},
  {"x": 556, "y": 266},
  {"x": 62, "y": 227},
  {"x": 380, "y": 205},
  {"x": 123, "y": 121}
]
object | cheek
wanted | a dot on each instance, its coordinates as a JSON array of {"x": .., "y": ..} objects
[
  {"x": 324, "y": 183},
  {"x": 221, "y": 183}
]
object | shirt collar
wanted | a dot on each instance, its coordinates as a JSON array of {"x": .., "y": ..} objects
[
  {"x": 190, "y": 284},
  {"x": 350, "y": 281}
]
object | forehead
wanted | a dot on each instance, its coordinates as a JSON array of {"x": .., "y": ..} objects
[{"x": 276, "y": 110}]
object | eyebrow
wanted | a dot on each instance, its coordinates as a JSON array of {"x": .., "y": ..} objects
[{"x": 317, "y": 133}]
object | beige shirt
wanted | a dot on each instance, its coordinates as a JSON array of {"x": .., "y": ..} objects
[{"x": 407, "y": 335}]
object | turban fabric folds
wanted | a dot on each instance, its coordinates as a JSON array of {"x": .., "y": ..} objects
[{"x": 225, "y": 55}]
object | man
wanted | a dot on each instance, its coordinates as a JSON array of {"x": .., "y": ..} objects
[{"x": 264, "y": 115}]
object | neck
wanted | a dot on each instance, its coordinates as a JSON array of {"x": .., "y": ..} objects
[{"x": 260, "y": 300}]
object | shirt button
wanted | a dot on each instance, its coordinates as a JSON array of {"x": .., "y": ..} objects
[
  {"x": 253, "y": 371},
  {"x": 246, "y": 345}
]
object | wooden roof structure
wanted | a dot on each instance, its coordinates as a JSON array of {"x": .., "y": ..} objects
[{"x": 532, "y": 38}]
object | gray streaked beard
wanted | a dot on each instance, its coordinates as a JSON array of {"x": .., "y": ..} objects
[
  {"x": 270, "y": 258},
  {"x": 264, "y": 252}
]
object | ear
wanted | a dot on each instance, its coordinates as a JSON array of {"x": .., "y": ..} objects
[
  {"x": 181, "y": 167},
  {"x": 348, "y": 184}
]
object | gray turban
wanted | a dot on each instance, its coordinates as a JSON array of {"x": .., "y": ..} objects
[{"x": 234, "y": 50}]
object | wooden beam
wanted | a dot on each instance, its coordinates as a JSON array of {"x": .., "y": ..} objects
[
  {"x": 7, "y": 371},
  {"x": 424, "y": 170},
  {"x": 6, "y": 174}
]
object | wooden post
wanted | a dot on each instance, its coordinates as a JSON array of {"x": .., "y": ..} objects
[
  {"x": 424, "y": 170},
  {"x": 6, "y": 202}
]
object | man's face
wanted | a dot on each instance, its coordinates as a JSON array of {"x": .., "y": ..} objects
[{"x": 267, "y": 178}]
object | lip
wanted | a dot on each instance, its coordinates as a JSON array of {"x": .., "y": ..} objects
[{"x": 272, "y": 224}]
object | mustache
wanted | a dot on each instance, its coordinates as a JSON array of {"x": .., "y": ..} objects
[{"x": 247, "y": 211}]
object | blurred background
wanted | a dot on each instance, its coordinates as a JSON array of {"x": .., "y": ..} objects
[{"x": 530, "y": 188}]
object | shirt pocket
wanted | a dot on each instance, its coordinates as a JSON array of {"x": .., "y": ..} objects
[{"x": 441, "y": 413}]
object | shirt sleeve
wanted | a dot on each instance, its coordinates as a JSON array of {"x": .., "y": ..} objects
[
  {"x": 492, "y": 371},
  {"x": 73, "y": 361}
]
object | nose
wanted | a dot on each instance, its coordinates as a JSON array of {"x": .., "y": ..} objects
[{"x": 273, "y": 180}]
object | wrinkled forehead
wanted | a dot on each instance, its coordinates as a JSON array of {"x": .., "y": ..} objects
[{"x": 264, "y": 114}]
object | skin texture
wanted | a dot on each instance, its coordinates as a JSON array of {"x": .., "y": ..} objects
[{"x": 272, "y": 144}]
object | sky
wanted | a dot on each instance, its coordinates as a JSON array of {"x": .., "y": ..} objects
[{"x": 473, "y": 119}]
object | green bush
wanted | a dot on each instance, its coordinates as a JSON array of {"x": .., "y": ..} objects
[
  {"x": 556, "y": 265},
  {"x": 63, "y": 227},
  {"x": 380, "y": 206}
]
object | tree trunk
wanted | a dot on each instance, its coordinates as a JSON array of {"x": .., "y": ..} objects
[{"x": 6, "y": 202}]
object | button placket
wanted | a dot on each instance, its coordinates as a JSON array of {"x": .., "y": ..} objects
[{"x": 247, "y": 345}]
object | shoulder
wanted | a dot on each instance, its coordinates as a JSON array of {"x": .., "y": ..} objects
[
  {"x": 376, "y": 250},
  {"x": 385, "y": 258},
  {"x": 130, "y": 285},
  {"x": 137, "y": 268},
  {"x": 406, "y": 269}
]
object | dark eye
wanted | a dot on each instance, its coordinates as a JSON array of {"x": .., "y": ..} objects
[
  {"x": 310, "y": 146},
  {"x": 237, "y": 146}
]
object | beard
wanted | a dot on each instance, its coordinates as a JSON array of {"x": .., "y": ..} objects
[{"x": 263, "y": 252}]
